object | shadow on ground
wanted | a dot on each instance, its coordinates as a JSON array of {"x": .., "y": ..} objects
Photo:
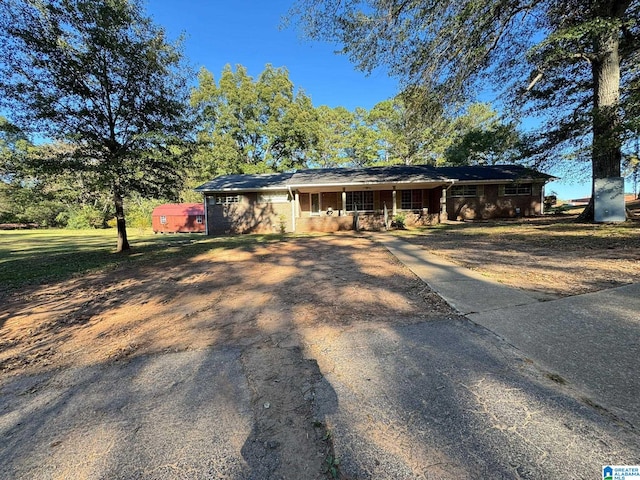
[{"x": 270, "y": 360}]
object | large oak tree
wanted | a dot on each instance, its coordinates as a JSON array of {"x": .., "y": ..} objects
[
  {"x": 101, "y": 78},
  {"x": 574, "y": 62}
]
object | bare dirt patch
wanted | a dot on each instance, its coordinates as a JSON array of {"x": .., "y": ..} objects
[
  {"x": 281, "y": 304},
  {"x": 272, "y": 300},
  {"x": 241, "y": 295},
  {"x": 554, "y": 256}
]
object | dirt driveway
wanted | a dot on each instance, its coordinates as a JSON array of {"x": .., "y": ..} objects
[
  {"x": 274, "y": 307},
  {"x": 242, "y": 295},
  {"x": 258, "y": 298}
]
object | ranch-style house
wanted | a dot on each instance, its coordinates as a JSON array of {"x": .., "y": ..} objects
[{"x": 333, "y": 199}]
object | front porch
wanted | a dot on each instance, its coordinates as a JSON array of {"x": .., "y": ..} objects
[
  {"x": 372, "y": 209},
  {"x": 362, "y": 221}
]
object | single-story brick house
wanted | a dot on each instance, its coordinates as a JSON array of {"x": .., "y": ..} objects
[
  {"x": 335, "y": 199},
  {"x": 178, "y": 217}
]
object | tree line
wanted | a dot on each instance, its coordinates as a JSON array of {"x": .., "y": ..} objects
[
  {"x": 244, "y": 125},
  {"x": 108, "y": 99},
  {"x": 101, "y": 114},
  {"x": 247, "y": 125}
]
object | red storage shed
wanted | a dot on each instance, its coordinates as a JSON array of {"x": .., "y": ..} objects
[{"x": 178, "y": 217}]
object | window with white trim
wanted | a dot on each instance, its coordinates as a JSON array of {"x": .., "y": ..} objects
[
  {"x": 274, "y": 197},
  {"x": 410, "y": 199},
  {"x": 163, "y": 220},
  {"x": 226, "y": 199},
  {"x": 515, "y": 189},
  {"x": 361, "y": 200},
  {"x": 464, "y": 191}
]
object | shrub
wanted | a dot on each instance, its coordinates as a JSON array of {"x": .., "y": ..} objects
[
  {"x": 399, "y": 221},
  {"x": 283, "y": 223},
  {"x": 138, "y": 211},
  {"x": 85, "y": 217}
]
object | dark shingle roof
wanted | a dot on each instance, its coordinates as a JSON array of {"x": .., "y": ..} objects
[
  {"x": 264, "y": 181},
  {"x": 493, "y": 172},
  {"x": 388, "y": 174},
  {"x": 371, "y": 175}
]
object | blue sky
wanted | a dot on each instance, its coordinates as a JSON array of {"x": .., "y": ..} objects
[{"x": 249, "y": 33}]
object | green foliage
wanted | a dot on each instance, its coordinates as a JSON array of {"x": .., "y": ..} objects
[
  {"x": 102, "y": 80},
  {"x": 399, "y": 221},
  {"x": 14, "y": 147},
  {"x": 440, "y": 45},
  {"x": 85, "y": 217},
  {"x": 332, "y": 130},
  {"x": 361, "y": 143},
  {"x": 481, "y": 138},
  {"x": 412, "y": 132},
  {"x": 139, "y": 211},
  {"x": 332, "y": 466},
  {"x": 632, "y": 168},
  {"x": 256, "y": 126},
  {"x": 29, "y": 202},
  {"x": 252, "y": 126},
  {"x": 283, "y": 223}
]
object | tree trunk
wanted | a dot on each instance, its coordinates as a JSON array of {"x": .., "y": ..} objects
[
  {"x": 606, "y": 150},
  {"x": 123, "y": 243}
]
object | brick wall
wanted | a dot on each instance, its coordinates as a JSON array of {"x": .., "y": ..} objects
[
  {"x": 492, "y": 205},
  {"x": 249, "y": 216}
]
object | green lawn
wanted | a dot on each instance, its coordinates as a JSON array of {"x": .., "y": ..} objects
[
  {"x": 550, "y": 233},
  {"x": 40, "y": 256}
]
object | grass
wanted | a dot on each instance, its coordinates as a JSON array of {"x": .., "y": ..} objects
[
  {"x": 41, "y": 256},
  {"x": 546, "y": 226},
  {"x": 548, "y": 237}
]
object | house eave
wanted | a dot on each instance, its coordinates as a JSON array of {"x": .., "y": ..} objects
[
  {"x": 206, "y": 191},
  {"x": 504, "y": 180},
  {"x": 372, "y": 185}
]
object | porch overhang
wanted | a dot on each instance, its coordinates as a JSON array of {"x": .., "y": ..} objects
[{"x": 371, "y": 186}]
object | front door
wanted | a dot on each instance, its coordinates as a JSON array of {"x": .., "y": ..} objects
[{"x": 315, "y": 204}]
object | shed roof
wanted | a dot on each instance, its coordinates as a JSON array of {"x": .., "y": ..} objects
[{"x": 186, "y": 209}]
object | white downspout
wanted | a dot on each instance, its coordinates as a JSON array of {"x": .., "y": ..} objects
[
  {"x": 293, "y": 209},
  {"x": 206, "y": 216},
  {"x": 443, "y": 205}
]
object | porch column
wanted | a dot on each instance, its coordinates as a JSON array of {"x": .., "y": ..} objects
[
  {"x": 443, "y": 204},
  {"x": 393, "y": 201},
  {"x": 344, "y": 202},
  {"x": 297, "y": 202}
]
